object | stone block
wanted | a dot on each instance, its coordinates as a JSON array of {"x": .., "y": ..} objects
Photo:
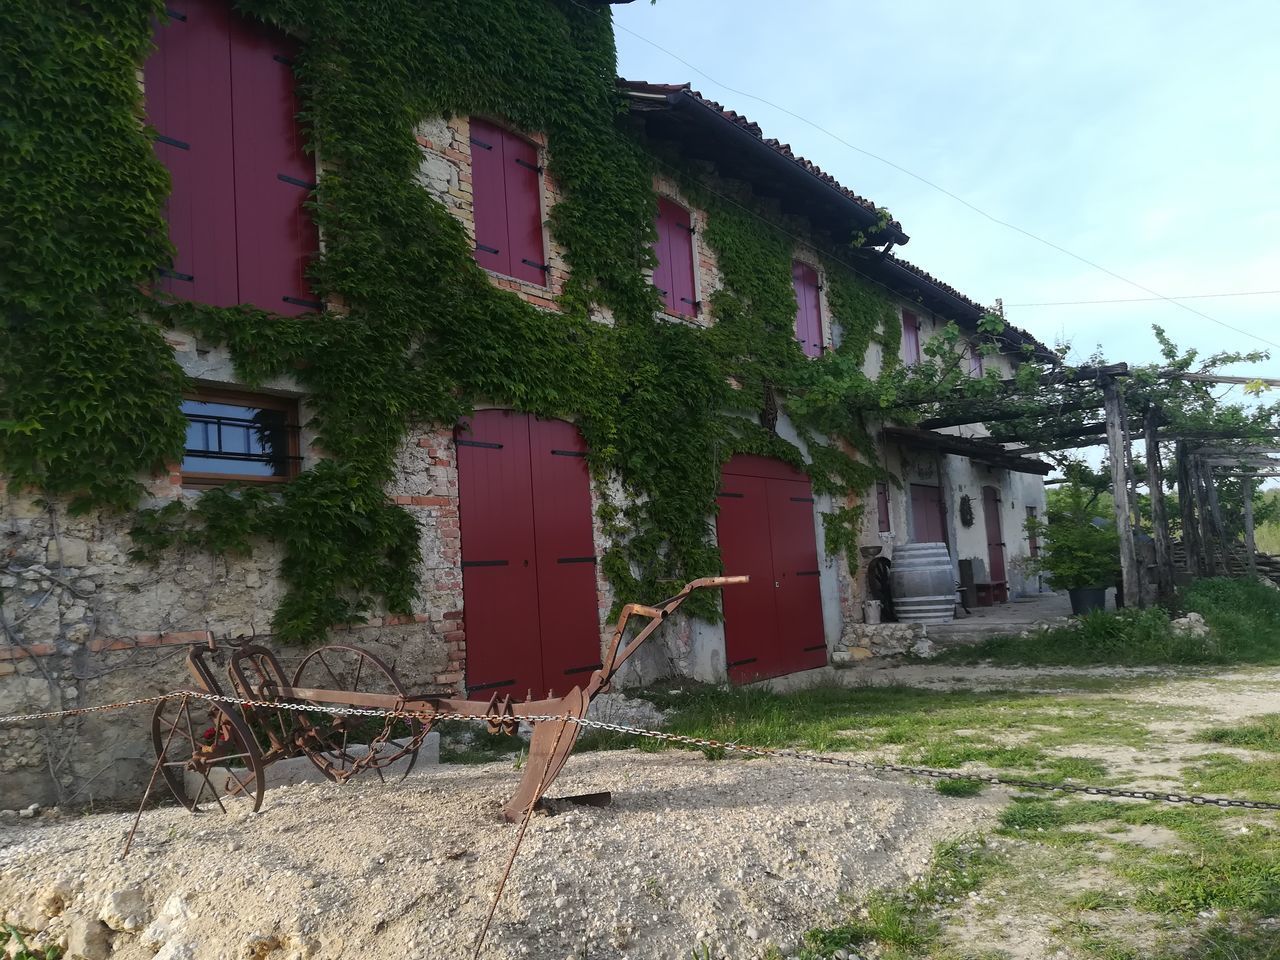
[
  {"x": 67, "y": 552},
  {"x": 88, "y": 939}
]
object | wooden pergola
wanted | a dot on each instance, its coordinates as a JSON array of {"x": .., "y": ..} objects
[{"x": 1086, "y": 406}]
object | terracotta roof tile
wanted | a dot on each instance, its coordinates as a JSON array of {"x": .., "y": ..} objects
[{"x": 753, "y": 128}]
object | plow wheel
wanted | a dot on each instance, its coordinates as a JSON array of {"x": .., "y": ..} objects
[
  {"x": 342, "y": 746},
  {"x": 208, "y": 756}
]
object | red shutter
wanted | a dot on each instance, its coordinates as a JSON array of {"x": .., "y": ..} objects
[
  {"x": 808, "y": 311},
  {"x": 187, "y": 81},
  {"x": 680, "y": 237},
  {"x": 276, "y": 238},
  {"x": 882, "y": 506},
  {"x": 662, "y": 252},
  {"x": 489, "y": 197},
  {"x": 524, "y": 209},
  {"x": 911, "y": 337}
]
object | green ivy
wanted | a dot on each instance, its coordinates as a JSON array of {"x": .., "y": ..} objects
[{"x": 91, "y": 390}]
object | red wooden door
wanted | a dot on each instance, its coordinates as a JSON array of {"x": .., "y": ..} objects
[
  {"x": 795, "y": 573},
  {"x": 995, "y": 539},
  {"x": 928, "y": 524},
  {"x": 528, "y": 569},
  {"x": 568, "y": 618},
  {"x": 499, "y": 565},
  {"x": 765, "y": 529}
]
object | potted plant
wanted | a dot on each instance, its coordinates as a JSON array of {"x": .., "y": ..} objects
[{"x": 1079, "y": 552}]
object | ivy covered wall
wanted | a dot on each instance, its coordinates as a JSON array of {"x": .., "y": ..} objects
[{"x": 417, "y": 333}]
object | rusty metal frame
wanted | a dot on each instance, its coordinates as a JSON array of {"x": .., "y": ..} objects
[{"x": 256, "y": 675}]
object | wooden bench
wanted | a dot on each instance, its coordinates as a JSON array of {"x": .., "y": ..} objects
[{"x": 976, "y": 584}]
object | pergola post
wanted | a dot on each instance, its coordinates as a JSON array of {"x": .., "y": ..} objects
[
  {"x": 1187, "y": 507},
  {"x": 1159, "y": 510},
  {"x": 1129, "y": 578},
  {"x": 1250, "y": 547}
]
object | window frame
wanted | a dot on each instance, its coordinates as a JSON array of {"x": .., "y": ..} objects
[
  {"x": 204, "y": 480},
  {"x": 504, "y": 133}
]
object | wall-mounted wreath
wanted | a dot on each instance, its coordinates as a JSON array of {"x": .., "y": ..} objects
[{"x": 966, "y": 511}]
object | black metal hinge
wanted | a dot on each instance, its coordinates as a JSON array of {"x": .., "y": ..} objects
[
  {"x": 479, "y": 443},
  {"x": 299, "y": 302},
  {"x": 529, "y": 166},
  {"x": 484, "y": 248},
  {"x": 170, "y": 141},
  {"x": 534, "y": 264},
  {"x": 285, "y": 178}
]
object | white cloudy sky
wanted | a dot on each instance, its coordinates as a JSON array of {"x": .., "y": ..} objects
[{"x": 1144, "y": 136}]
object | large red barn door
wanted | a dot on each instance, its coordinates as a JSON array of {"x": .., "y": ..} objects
[
  {"x": 499, "y": 571},
  {"x": 568, "y": 617},
  {"x": 528, "y": 569},
  {"x": 765, "y": 528}
]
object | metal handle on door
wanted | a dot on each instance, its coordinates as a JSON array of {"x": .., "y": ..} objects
[{"x": 777, "y": 584}]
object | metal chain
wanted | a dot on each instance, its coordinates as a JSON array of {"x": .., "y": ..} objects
[{"x": 430, "y": 716}]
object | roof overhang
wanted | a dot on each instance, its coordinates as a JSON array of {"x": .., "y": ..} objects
[
  {"x": 985, "y": 451},
  {"x": 702, "y": 132}
]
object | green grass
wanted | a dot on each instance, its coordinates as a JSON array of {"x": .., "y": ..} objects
[
  {"x": 11, "y": 935},
  {"x": 1244, "y": 621},
  {"x": 902, "y": 925},
  {"x": 1016, "y": 732},
  {"x": 1262, "y": 734}
]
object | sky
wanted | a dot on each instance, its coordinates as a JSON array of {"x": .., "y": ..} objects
[{"x": 1143, "y": 136}]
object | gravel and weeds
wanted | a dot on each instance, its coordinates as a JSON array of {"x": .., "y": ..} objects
[{"x": 1244, "y": 628}]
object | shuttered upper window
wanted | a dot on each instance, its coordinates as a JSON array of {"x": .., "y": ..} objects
[
  {"x": 910, "y": 338},
  {"x": 506, "y": 184},
  {"x": 220, "y": 95},
  {"x": 977, "y": 362},
  {"x": 673, "y": 276},
  {"x": 882, "y": 506},
  {"x": 808, "y": 310}
]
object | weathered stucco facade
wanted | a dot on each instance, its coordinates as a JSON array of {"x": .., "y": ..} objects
[{"x": 86, "y": 623}]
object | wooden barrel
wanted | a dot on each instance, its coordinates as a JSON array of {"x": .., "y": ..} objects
[{"x": 924, "y": 586}]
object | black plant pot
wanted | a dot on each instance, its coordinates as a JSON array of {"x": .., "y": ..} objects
[{"x": 1085, "y": 599}]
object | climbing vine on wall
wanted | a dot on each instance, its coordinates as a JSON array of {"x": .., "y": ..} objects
[{"x": 91, "y": 391}]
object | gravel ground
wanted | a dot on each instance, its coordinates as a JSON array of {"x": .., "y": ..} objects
[{"x": 733, "y": 854}]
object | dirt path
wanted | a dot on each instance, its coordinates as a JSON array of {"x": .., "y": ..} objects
[{"x": 731, "y": 854}]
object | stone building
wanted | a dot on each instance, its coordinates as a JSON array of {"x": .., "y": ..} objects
[{"x": 511, "y": 593}]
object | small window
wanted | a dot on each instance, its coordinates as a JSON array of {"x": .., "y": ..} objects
[
  {"x": 882, "y": 506},
  {"x": 673, "y": 276},
  {"x": 910, "y": 338},
  {"x": 977, "y": 362},
  {"x": 1033, "y": 542},
  {"x": 808, "y": 308},
  {"x": 506, "y": 185},
  {"x": 239, "y": 436}
]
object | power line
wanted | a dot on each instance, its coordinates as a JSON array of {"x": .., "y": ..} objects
[
  {"x": 943, "y": 190},
  {"x": 1189, "y": 296}
]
